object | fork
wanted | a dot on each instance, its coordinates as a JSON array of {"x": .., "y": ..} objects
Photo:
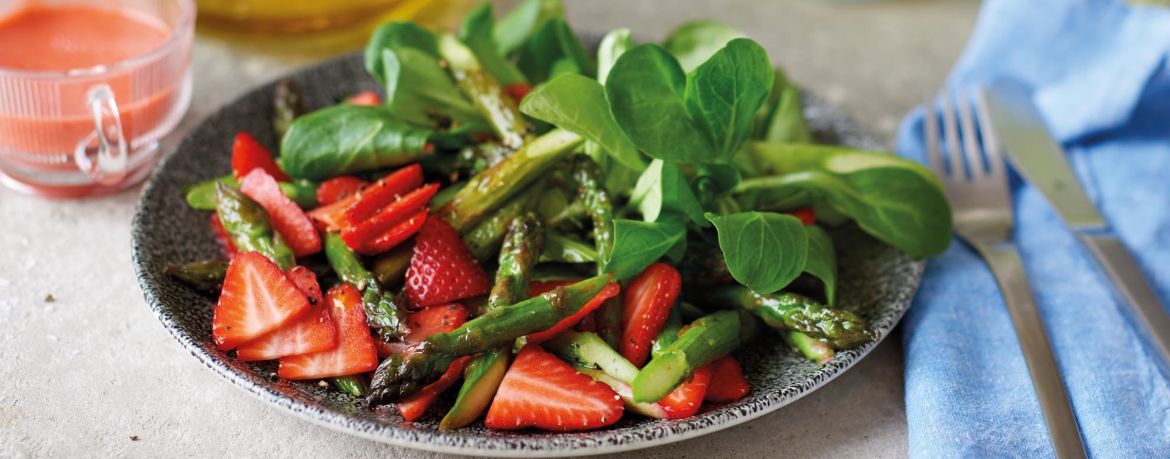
[{"x": 974, "y": 177}]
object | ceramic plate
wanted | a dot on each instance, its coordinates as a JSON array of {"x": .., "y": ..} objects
[{"x": 876, "y": 281}]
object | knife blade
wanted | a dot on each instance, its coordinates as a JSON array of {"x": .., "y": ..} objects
[{"x": 1021, "y": 130}]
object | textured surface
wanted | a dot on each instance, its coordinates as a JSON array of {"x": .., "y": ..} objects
[
  {"x": 92, "y": 368},
  {"x": 876, "y": 281}
]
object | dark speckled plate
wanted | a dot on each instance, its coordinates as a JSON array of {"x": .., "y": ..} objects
[{"x": 877, "y": 282}]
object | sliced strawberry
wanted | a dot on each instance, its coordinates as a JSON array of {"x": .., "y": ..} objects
[
  {"x": 805, "y": 214},
  {"x": 312, "y": 332},
  {"x": 648, "y": 300},
  {"x": 686, "y": 399},
  {"x": 355, "y": 352},
  {"x": 542, "y": 391},
  {"x": 518, "y": 91},
  {"x": 414, "y": 406},
  {"x": 442, "y": 270},
  {"x": 727, "y": 381},
  {"x": 609, "y": 291},
  {"x": 222, "y": 237},
  {"x": 396, "y": 235},
  {"x": 385, "y": 191},
  {"x": 248, "y": 154},
  {"x": 331, "y": 217},
  {"x": 287, "y": 218},
  {"x": 338, "y": 188},
  {"x": 257, "y": 298},
  {"x": 306, "y": 281},
  {"x": 435, "y": 319},
  {"x": 359, "y": 233},
  {"x": 369, "y": 98}
]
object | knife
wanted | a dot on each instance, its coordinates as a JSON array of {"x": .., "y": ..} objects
[{"x": 1031, "y": 149}]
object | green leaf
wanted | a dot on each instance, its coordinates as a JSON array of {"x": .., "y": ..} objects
[
  {"x": 896, "y": 200},
  {"x": 519, "y": 24},
  {"x": 612, "y": 46},
  {"x": 396, "y": 35},
  {"x": 662, "y": 187},
  {"x": 477, "y": 33},
  {"x": 346, "y": 138},
  {"x": 781, "y": 119},
  {"x": 561, "y": 249},
  {"x": 764, "y": 251},
  {"x": 725, "y": 92},
  {"x": 554, "y": 49},
  {"x": 713, "y": 180},
  {"x": 822, "y": 261},
  {"x": 577, "y": 103},
  {"x": 702, "y": 117},
  {"x": 638, "y": 244},
  {"x": 694, "y": 42},
  {"x": 420, "y": 92}
]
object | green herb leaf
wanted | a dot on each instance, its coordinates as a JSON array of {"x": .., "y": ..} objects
[
  {"x": 577, "y": 103},
  {"x": 896, "y": 200},
  {"x": 662, "y": 187},
  {"x": 638, "y": 244},
  {"x": 477, "y": 32},
  {"x": 612, "y": 46},
  {"x": 418, "y": 89},
  {"x": 554, "y": 49},
  {"x": 396, "y": 35},
  {"x": 694, "y": 42},
  {"x": 519, "y": 24},
  {"x": 822, "y": 261},
  {"x": 345, "y": 138},
  {"x": 781, "y": 119},
  {"x": 764, "y": 251},
  {"x": 702, "y": 117}
]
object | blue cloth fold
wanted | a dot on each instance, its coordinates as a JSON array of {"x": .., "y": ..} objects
[{"x": 1101, "y": 76}]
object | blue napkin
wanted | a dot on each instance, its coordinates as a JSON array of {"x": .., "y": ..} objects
[{"x": 1102, "y": 79}]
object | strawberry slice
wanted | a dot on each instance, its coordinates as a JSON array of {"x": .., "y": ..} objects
[
  {"x": 435, "y": 319},
  {"x": 306, "y": 281},
  {"x": 359, "y": 233},
  {"x": 805, "y": 214},
  {"x": 331, "y": 217},
  {"x": 257, "y": 298},
  {"x": 339, "y": 188},
  {"x": 518, "y": 91},
  {"x": 367, "y": 98},
  {"x": 222, "y": 237},
  {"x": 396, "y": 235},
  {"x": 609, "y": 291},
  {"x": 355, "y": 352},
  {"x": 385, "y": 191},
  {"x": 248, "y": 154},
  {"x": 648, "y": 300},
  {"x": 414, "y": 406},
  {"x": 312, "y": 332},
  {"x": 542, "y": 391},
  {"x": 727, "y": 381},
  {"x": 287, "y": 218},
  {"x": 686, "y": 399},
  {"x": 442, "y": 270}
]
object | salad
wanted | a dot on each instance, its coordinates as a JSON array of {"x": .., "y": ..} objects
[{"x": 557, "y": 238}]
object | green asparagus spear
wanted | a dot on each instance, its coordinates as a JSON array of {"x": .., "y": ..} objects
[
  {"x": 248, "y": 227},
  {"x": 595, "y": 358},
  {"x": 484, "y": 239},
  {"x": 201, "y": 195},
  {"x": 390, "y": 268},
  {"x": 490, "y": 189},
  {"x": 812, "y": 349},
  {"x": 563, "y": 249},
  {"x": 700, "y": 343},
  {"x": 591, "y": 192},
  {"x": 485, "y": 93},
  {"x": 399, "y": 376},
  {"x": 205, "y": 275},
  {"x": 352, "y": 385},
  {"x": 382, "y": 309},
  {"x": 287, "y": 105},
  {"x": 482, "y": 376},
  {"x": 669, "y": 333},
  {"x": 788, "y": 311}
]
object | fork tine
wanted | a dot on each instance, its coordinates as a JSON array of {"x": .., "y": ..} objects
[
  {"x": 954, "y": 145},
  {"x": 933, "y": 157},
  {"x": 970, "y": 140},
  {"x": 991, "y": 146}
]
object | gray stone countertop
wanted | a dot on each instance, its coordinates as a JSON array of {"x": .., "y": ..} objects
[{"x": 88, "y": 373}]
